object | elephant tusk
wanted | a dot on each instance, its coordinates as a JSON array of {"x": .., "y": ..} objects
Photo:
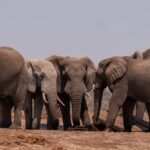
[
  {"x": 87, "y": 94},
  {"x": 44, "y": 97},
  {"x": 93, "y": 88},
  {"x": 60, "y": 101}
]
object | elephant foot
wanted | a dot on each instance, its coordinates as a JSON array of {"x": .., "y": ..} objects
[
  {"x": 28, "y": 127},
  {"x": 52, "y": 128},
  {"x": 77, "y": 128},
  {"x": 146, "y": 130},
  {"x": 5, "y": 125},
  {"x": 66, "y": 127},
  {"x": 96, "y": 122},
  {"x": 127, "y": 130},
  {"x": 108, "y": 130},
  {"x": 35, "y": 124},
  {"x": 91, "y": 127},
  {"x": 15, "y": 126},
  {"x": 53, "y": 125}
]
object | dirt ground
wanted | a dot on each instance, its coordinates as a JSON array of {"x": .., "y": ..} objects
[
  {"x": 72, "y": 140},
  {"x": 43, "y": 139}
]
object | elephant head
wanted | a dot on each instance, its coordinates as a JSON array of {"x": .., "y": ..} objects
[
  {"x": 137, "y": 55},
  {"x": 141, "y": 55},
  {"x": 109, "y": 71},
  {"x": 43, "y": 78},
  {"x": 74, "y": 78}
]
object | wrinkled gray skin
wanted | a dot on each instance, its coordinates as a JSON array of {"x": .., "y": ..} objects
[
  {"x": 140, "y": 107},
  {"x": 42, "y": 77},
  {"x": 131, "y": 82},
  {"x": 75, "y": 77},
  {"x": 13, "y": 77}
]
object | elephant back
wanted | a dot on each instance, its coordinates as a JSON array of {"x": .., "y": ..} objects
[{"x": 11, "y": 63}]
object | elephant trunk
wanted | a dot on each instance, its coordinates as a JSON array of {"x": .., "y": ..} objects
[
  {"x": 52, "y": 103},
  {"x": 76, "y": 101},
  {"x": 49, "y": 96}
]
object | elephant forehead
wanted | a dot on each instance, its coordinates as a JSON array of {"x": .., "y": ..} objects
[
  {"x": 75, "y": 68},
  {"x": 47, "y": 66}
]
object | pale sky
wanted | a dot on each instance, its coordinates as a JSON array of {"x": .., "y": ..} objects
[{"x": 94, "y": 28}]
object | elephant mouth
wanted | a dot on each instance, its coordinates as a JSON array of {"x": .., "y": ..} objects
[{"x": 44, "y": 97}]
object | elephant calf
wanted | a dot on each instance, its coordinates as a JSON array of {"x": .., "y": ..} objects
[{"x": 131, "y": 80}]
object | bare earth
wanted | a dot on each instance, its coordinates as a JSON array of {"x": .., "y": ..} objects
[
  {"x": 73, "y": 140},
  {"x": 43, "y": 139}
]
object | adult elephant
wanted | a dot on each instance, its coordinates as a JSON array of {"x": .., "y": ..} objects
[
  {"x": 140, "y": 107},
  {"x": 41, "y": 88},
  {"x": 74, "y": 79},
  {"x": 13, "y": 77},
  {"x": 131, "y": 82}
]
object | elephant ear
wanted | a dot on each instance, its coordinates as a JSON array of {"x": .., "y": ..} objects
[
  {"x": 56, "y": 61},
  {"x": 90, "y": 73},
  {"x": 31, "y": 86},
  {"x": 137, "y": 55},
  {"x": 115, "y": 70}
]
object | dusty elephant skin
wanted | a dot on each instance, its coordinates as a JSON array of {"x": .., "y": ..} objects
[
  {"x": 42, "y": 88},
  {"x": 140, "y": 107},
  {"x": 131, "y": 82},
  {"x": 74, "y": 79},
  {"x": 13, "y": 77}
]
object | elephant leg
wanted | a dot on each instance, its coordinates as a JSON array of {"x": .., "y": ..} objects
[
  {"x": 1, "y": 114},
  {"x": 7, "y": 117},
  {"x": 65, "y": 112},
  {"x": 28, "y": 112},
  {"x": 128, "y": 108},
  {"x": 118, "y": 98},
  {"x": 7, "y": 107},
  {"x": 18, "y": 107},
  {"x": 49, "y": 119},
  {"x": 140, "y": 109},
  {"x": 84, "y": 113},
  {"x": 85, "y": 118},
  {"x": 148, "y": 111},
  {"x": 17, "y": 117},
  {"x": 38, "y": 106},
  {"x": 49, "y": 123},
  {"x": 19, "y": 99}
]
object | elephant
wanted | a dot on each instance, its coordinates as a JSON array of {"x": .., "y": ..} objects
[
  {"x": 74, "y": 78},
  {"x": 140, "y": 107},
  {"x": 13, "y": 86},
  {"x": 141, "y": 55},
  {"x": 131, "y": 82},
  {"x": 42, "y": 88}
]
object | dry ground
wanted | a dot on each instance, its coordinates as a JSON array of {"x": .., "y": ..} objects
[
  {"x": 60, "y": 140},
  {"x": 22, "y": 139}
]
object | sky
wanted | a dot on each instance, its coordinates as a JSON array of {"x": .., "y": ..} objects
[{"x": 95, "y": 28}]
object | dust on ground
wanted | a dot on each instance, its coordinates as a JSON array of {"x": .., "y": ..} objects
[
  {"x": 72, "y": 140},
  {"x": 43, "y": 139}
]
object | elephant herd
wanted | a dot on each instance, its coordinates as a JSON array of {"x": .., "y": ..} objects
[{"x": 65, "y": 81}]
